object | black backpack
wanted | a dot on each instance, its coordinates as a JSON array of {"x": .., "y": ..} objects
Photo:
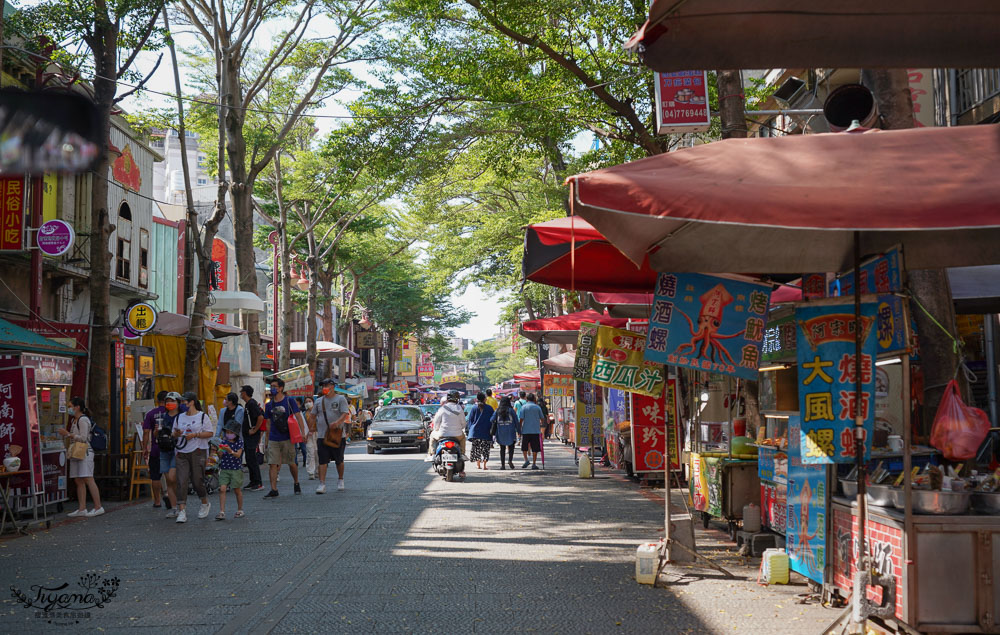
[
  {"x": 164, "y": 435},
  {"x": 279, "y": 420}
]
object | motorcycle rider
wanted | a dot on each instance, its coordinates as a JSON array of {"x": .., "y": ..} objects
[{"x": 449, "y": 421}]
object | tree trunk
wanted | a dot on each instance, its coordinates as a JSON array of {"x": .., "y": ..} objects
[
  {"x": 99, "y": 386},
  {"x": 324, "y": 281},
  {"x": 285, "y": 299},
  {"x": 311, "y": 305},
  {"x": 732, "y": 105},
  {"x": 195, "y": 341},
  {"x": 390, "y": 373},
  {"x": 929, "y": 287}
]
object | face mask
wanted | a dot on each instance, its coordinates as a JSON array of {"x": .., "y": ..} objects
[
  {"x": 230, "y": 435},
  {"x": 326, "y": 391},
  {"x": 170, "y": 407},
  {"x": 309, "y": 405},
  {"x": 274, "y": 391}
]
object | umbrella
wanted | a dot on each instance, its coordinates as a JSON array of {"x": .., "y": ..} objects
[
  {"x": 563, "y": 329},
  {"x": 561, "y": 363},
  {"x": 393, "y": 394},
  {"x": 531, "y": 375},
  {"x": 625, "y": 305},
  {"x": 569, "y": 253},
  {"x": 324, "y": 350},
  {"x": 792, "y": 204},
  {"x": 695, "y": 34}
]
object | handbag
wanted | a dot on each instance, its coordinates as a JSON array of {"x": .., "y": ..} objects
[
  {"x": 78, "y": 449},
  {"x": 334, "y": 434}
]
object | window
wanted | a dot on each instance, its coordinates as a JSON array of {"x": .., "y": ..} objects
[
  {"x": 125, "y": 212},
  {"x": 156, "y": 142},
  {"x": 123, "y": 267},
  {"x": 143, "y": 259},
  {"x": 201, "y": 160},
  {"x": 202, "y": 181}
]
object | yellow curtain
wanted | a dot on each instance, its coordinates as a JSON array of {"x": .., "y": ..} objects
[{"x": 170, "y": 366}]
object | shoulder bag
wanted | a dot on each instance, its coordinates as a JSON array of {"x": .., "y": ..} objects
[
  {"x": 334, "y": 434},
  {"x": 78, "y": 449}
]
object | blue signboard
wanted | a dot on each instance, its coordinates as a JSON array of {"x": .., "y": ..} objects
[
  {"x": 616, "y": 406},
  {"x": 878, "y": 275},
  {"x": 807, "y": 502},
  {"x": 709, "y": 323},
  {"x": 827, "y": 395}
]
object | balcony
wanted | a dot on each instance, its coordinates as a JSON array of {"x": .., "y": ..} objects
[{"x": 977, "y": 94}]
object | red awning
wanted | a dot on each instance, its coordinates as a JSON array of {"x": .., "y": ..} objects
[
  {"x": 563, "y": 329},
  {"x": 532, "y": 375},
  {"x": 625, "y": 305},
  {"x": 712, "y": 34},
  {"x": 595, "y": 265},
  {"x": 793, "y": 203}
]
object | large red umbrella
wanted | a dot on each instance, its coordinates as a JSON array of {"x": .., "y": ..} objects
[
  {"x": 594, "y": 264},
  {"x": 793, "y": 203},
  {"x": 625, "y": 305},
  {"x": 563, "y": 329},
  {"x": 694, "y": 34}
]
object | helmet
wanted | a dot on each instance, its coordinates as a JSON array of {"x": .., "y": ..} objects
[
  {"x": 173, "y": 396},
  {"x": 454, "y": 395}
]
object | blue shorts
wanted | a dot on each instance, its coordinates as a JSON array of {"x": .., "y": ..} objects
[{"x": 167, "y": 462}]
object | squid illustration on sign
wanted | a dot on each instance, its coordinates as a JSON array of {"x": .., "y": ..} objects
[
  {"x": 705, "y": 338},
  {"x": 800, "y": 545}
]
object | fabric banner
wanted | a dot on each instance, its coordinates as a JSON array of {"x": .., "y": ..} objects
[
  {"x": 650, "y": 416},
  {"x": 298, "y": 381},
  {"x": 585, "y": 341},
  {"x": 807, "y": 510},
  {"x": 619, "y": 363},
  {"x": 589, "y": 414},
  {"x": 709, "y": 323},
  {"x": 827, "y": 380}
]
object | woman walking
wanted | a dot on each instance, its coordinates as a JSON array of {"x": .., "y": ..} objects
[
  {"x": 192, "y": 429},
  {"x": 506, "y": 427},
  {"x": 478, "y": 428},
  {"x": 82, "y": 470}
]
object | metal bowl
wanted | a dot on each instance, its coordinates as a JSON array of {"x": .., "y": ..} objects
[
  {"x": 940, "y": 502},
  {"x": 849, "y": 488},
  {"x": 879, "y": 495},
  {"x": 986, "y": 502},
  {"x": 898, "y": 498}
]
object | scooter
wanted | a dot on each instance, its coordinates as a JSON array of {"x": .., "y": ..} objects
[{"x": 448, "y": 458}]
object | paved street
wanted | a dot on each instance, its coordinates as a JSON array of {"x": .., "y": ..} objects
[{"x": 399, "y": 550}]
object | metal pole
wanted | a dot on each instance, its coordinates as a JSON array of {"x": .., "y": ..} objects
[
  {"x": 789, "y": 111},
  {"x": 35, "y": 296},
  {"x": 909, "y": 546},
  {"x": 858, "y": 616},
  {"x": 991, "y": 365}
]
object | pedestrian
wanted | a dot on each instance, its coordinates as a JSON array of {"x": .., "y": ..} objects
[
  {"x": 232, "y": 411},
  {"x": 151, "y": 451},
  {"x": 506, "y": 427},
  {"x": 491, "y": 400},
  {"x": 192, "y": 429},
  {"x": 253, "y": 421},
  {"x": 231, "y": 468},
  {"x": 82, "y": 470},
  {"x": 281, "y": 412},
  {"x": 310, "y": 442},
  {"x": 531, "y": 431},
  {"x": 165, "y": 441},
  {"x": 366, "y": 420},
  {"x": 479, "y": 429},
  {"x": 330, "y": 410},
  {"x": 546, "y": 424},
  {"x": 521, "y": 400}
]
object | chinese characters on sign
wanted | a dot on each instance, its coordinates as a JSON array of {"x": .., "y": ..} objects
[
  {"x": 589, "y": 414},
  {"x": 878, "y": 275},
  {"x": 11, "y": 213},
  {"x": 779, "y": 340},
  {"x": 425, "y": 370},
  {"x": 19, "y": 424},
  {"x": 827, "y": 371},
  {"x": 708, "y": 323},
  {"x": 558, "y": 385},
  {"x": 140, "y": 318},
  {"x": 618, "y": 363},
  {"x": 584, "y": 351},
  {"x": 682, "y": 102},
  {"x": 807, "y": 509},
  {"x": 653, "y": 423}
]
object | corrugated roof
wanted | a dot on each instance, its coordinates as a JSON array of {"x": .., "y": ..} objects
[{"x": 17, "y": 338}]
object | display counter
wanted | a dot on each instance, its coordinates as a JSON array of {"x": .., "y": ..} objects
[
  {"x": 945, "y": 573},
  {"x": 721, "y": 486}
]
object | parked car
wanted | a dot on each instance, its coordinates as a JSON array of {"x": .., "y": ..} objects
[{"x": 397, "y": 427}]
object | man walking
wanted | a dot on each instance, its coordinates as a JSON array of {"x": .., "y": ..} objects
[
  {"x": 281, "y": 412},
  {"x": 490, "y": 400},
  {"x": 330, "y": 410},
  {"x": 150, "y": 451},
  {"x": 520, "y": 403},
  {"x": 531, "y": 431},
  {"x": 253, "y": 421}
]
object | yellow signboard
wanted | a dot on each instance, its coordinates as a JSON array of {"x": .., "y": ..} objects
[
  {"x": 618, "y": 363},
  {"x": 140, "y": 318},
  {"x": 146, "y": 365}
]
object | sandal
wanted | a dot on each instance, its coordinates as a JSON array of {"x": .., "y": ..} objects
[
  {"x": 220, "y": 516},
  {"x": 239, "y": 514}
]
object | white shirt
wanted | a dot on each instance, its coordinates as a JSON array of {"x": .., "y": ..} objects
[
  {"x": 449, "y": 421},
  {"x": 192, "y": 423}
]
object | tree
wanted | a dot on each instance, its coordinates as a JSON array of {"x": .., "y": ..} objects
[
  {"x": 102, "y": 38},
  {"x": 227, "y": 30}
]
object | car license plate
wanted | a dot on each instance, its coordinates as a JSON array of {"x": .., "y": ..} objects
[{"x": 395, "y": 439}]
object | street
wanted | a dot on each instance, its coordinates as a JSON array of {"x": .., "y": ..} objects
[{"x": 400, "y": 550}]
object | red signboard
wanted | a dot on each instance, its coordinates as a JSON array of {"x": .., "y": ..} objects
[
  {"x": 11, "y": 213},
  {"x": 425, "y": 370},
  {"x": 119, "y": 354},
  {"x": 219, "y": 281},
  {"x": 654, "y": 424},
  {"x": 19, "y": 422},
  {"x": 682, "y": 102}
]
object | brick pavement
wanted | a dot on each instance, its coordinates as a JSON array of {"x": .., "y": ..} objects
[{"x": 400, "y": 551}]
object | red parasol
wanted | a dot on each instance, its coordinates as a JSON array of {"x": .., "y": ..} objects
[{"x": 563, "y": 329}]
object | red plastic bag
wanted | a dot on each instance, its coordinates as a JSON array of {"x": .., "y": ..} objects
[
  {"x": 958, "y": 429},
  {"x": 294, "y": 431}
]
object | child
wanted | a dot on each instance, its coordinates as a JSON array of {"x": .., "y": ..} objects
[{"x": 231, "y": 468}]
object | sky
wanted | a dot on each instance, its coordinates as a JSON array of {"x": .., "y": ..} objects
[{"x": 487, "y": 309}]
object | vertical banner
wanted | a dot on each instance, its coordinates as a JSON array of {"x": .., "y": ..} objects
[
  {"x": 708, "y": 323},
  {"x": 619, "y": 363},
  {"x": 19, "y": 424},
  {"x": 807, "y": 510},
  {"x": 706, "y": 484},
  {"x": 584, "y": 359},
  {"x": 11, "y": 213},
  {"x": 649, "y": 432},
  {"x": 589, "y": 414},
  {"x": 673, "y": 426},
  {"x": 827, "y": 380}
]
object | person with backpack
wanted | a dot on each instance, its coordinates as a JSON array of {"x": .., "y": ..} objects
[
  {"x": 506, "y": 427},
  {"x": 479, "y": 430},
  {"x": 192, "y": 430},
  {"x": 166, "y": 443},
  {"x": 281, "y": 411},
  {"x": 81, "y": 469}
]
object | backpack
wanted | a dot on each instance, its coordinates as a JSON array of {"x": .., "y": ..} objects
[
  {"x": 98, "y": 439},
  {"x": 279, "y": 420},
  {"x": 165, "y": 438}
]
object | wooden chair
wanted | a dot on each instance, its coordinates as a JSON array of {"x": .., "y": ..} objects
[{"x": 139, "y": 472}]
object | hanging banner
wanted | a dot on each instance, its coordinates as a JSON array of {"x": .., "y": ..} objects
[
  {"x": 709, "y": 323},
  {"x": 807, "y": 510},
  {"x": 11, "y": 213},
  {"x": 649, "y": 432},
  {"x": 673, "y": 426},
  {"x": 619, "y": 363},
  {"x": 401, "y": 385},
  {"x": 589, "y": 414},
  {"x": 682, "y": 102},
  {"x": 298, "y": 381},
  {"x": 557, "y": 385},
  {"x": 705, "y": 484},
  {"x": 881, "y": 274},
  {"x": 584, "y": 359},
  {"x": 826, "y": 368}
]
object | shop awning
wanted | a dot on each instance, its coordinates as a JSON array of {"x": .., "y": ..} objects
[
  {"x": 531, "y": 375},
  {"x": 18, "y": 338},
  {"x": 793, "y": 203},
  {"x": 561, "y": 363},
  {"x": 324, "y": 350},
  {"x": 625, "y": 305},
  {"x": 233, "y": 302},
  {"x": 570, "y": 254},
  {"x": 711, "y": 34},
  {"x": 563, "y": 329}
]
